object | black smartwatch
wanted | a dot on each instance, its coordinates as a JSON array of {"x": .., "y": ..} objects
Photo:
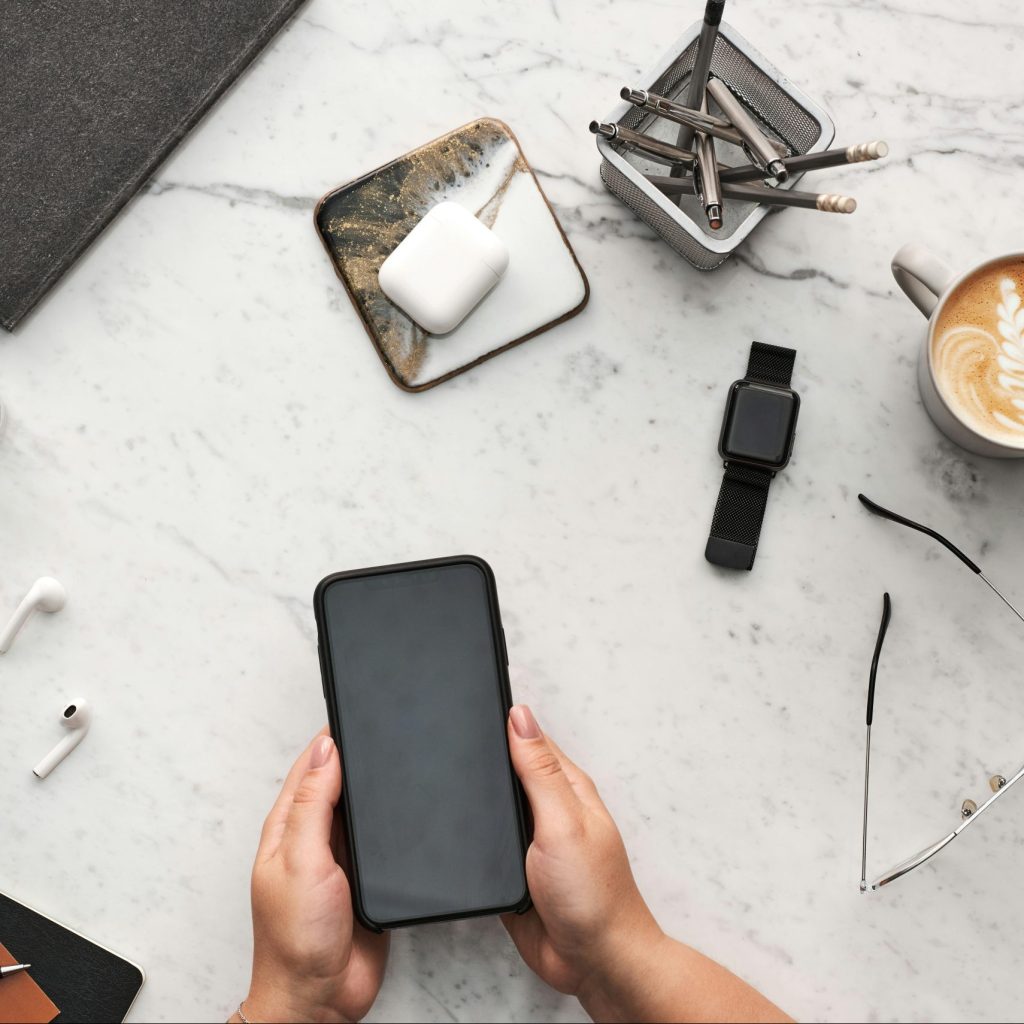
[{"x": 756, "y": 442}]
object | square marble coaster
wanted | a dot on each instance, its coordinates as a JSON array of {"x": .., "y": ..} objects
[{"x": 482, "y": 167}]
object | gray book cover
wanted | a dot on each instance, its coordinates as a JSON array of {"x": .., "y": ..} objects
[{"x": 93, "y": 96}]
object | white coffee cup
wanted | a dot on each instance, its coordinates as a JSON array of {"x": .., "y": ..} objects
[{"x": 928, "y": 283}]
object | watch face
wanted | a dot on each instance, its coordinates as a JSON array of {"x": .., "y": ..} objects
[{"x": 760, "y": 423}]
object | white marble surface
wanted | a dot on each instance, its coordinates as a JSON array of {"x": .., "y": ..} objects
[{"x": 200, "y": 431}]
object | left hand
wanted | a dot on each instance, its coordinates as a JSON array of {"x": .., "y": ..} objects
[{"x": 311, "y": 960}]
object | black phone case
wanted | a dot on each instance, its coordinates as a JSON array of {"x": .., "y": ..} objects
[{"x": 327, "y": 680}]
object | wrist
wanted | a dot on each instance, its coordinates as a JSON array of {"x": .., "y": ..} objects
[
  {"x": 269, "y": 1001},
  {"x": 618, "y": 985}
]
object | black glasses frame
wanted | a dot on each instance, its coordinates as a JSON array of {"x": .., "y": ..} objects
[{"x": 969, "y": 809}]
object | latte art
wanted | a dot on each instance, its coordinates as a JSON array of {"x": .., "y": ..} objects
[{"x": 978, "y": 352}]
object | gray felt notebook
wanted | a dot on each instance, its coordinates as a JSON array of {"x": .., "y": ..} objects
[{"x": 93, "y": 95}]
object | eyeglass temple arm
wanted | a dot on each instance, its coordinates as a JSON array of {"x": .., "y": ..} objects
[
  {"x": 882, "y": 627},
  {"x": 973, "y": 566},
  {"x": 903, "y": 521}
]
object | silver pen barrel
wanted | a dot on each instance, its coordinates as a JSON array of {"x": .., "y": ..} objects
[
  {"x": 864, "y": 827},
  {"x": 705, "y": 173},
  {"x": 663, "y": 152},
  {"x": 856, "y": 154},
  {"x": 761, "y": 148},
  {"x": 699, "y": 121}
]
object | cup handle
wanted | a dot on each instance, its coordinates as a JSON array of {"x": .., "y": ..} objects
[{"x": 922, "y": 276}]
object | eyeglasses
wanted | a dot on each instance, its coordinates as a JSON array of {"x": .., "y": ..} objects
[{"x": 969, "y": 810}]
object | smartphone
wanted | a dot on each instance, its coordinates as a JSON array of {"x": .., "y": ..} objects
[{"x": 415, "y": 675}]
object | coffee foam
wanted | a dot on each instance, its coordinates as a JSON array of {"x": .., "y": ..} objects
[{"x": 977, "y": 352}]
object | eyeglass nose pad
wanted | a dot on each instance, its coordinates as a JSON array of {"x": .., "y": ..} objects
[
  {"x": 967, "y": 808},
  {"x": 996, "y": 783}
]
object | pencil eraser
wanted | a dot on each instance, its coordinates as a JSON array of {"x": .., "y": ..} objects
[{"x": 443, "y": 268}]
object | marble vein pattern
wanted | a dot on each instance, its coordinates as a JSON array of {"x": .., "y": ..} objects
[{"x": 199, "y": 431}]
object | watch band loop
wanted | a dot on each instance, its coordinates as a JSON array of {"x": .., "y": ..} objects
[
  {"x": 739, "y": 511},
  {"x": 771, "y": 364}
]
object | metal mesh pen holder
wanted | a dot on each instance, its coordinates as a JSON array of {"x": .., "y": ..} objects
[{"x": 784, "y": 112}]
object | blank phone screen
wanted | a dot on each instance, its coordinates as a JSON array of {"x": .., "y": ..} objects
[{"x": 434, "y": 822}]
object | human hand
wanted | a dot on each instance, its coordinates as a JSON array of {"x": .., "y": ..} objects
[
  {"x": 311, "y": 960},
  {"x": 588, "y": 917},
  {"x": 589, "y": 932}
]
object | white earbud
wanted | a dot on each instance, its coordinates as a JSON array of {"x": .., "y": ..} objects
[
  {"x": 75, "y": 718},
  {"x": 46, "y": 593}
]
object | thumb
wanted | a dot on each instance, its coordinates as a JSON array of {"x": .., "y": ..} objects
[
  {"x": 548, "y": 789},
  {"x": 311, "y": 814}
]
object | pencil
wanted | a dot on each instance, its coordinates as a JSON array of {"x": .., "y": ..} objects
[
  {"x": 814, "y": 161},
  {"x": 701, "y": 66},
  {"x": 827, "y": 202}
]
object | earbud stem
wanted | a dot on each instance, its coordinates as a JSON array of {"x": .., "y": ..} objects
[
  {"x": 59, "y": 752},
  {"x": 11, "y": 630}
]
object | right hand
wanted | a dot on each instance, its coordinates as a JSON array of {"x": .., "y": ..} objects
[{"x": 588, "y": 918}]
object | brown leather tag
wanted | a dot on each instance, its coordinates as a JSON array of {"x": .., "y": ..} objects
[{"x": 22, "y": 1001}]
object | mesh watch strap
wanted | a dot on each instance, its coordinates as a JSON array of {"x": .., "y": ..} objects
[
  {"x": 739, "y": 512},
  {"x": 771, "y": 364},
  {"x": 743, "y": 496}
]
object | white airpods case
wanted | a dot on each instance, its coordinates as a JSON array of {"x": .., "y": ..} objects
[{"x": 443, "y": 268}]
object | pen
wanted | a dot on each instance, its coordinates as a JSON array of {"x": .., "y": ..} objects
[
  {"x": 663, "y": 152},
  {"x": 814, "y": 161},
  {"x": 827, "y": 202},
  {"x": 699, "y": 120},
  {"x": 13, "y": 969},
  {"x": 705, "y": 174},
  {"x": 701, "y": 66},
  {"x": 761, "y": 149}
]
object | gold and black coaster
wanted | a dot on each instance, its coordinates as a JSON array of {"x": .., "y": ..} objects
[{"x": 482, "y": 167}]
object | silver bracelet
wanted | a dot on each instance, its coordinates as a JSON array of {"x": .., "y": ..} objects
[{"x": 241, "y": 1016}]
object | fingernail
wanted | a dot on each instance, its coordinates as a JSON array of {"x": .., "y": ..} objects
[
  {"x": 524, "y": 723},
  {"x": 321, "y": 752}
]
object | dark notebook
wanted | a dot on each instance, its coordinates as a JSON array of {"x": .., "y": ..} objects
[
  {"x": 86, "y": 981},
  {"x": 92, "y": 97}
]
